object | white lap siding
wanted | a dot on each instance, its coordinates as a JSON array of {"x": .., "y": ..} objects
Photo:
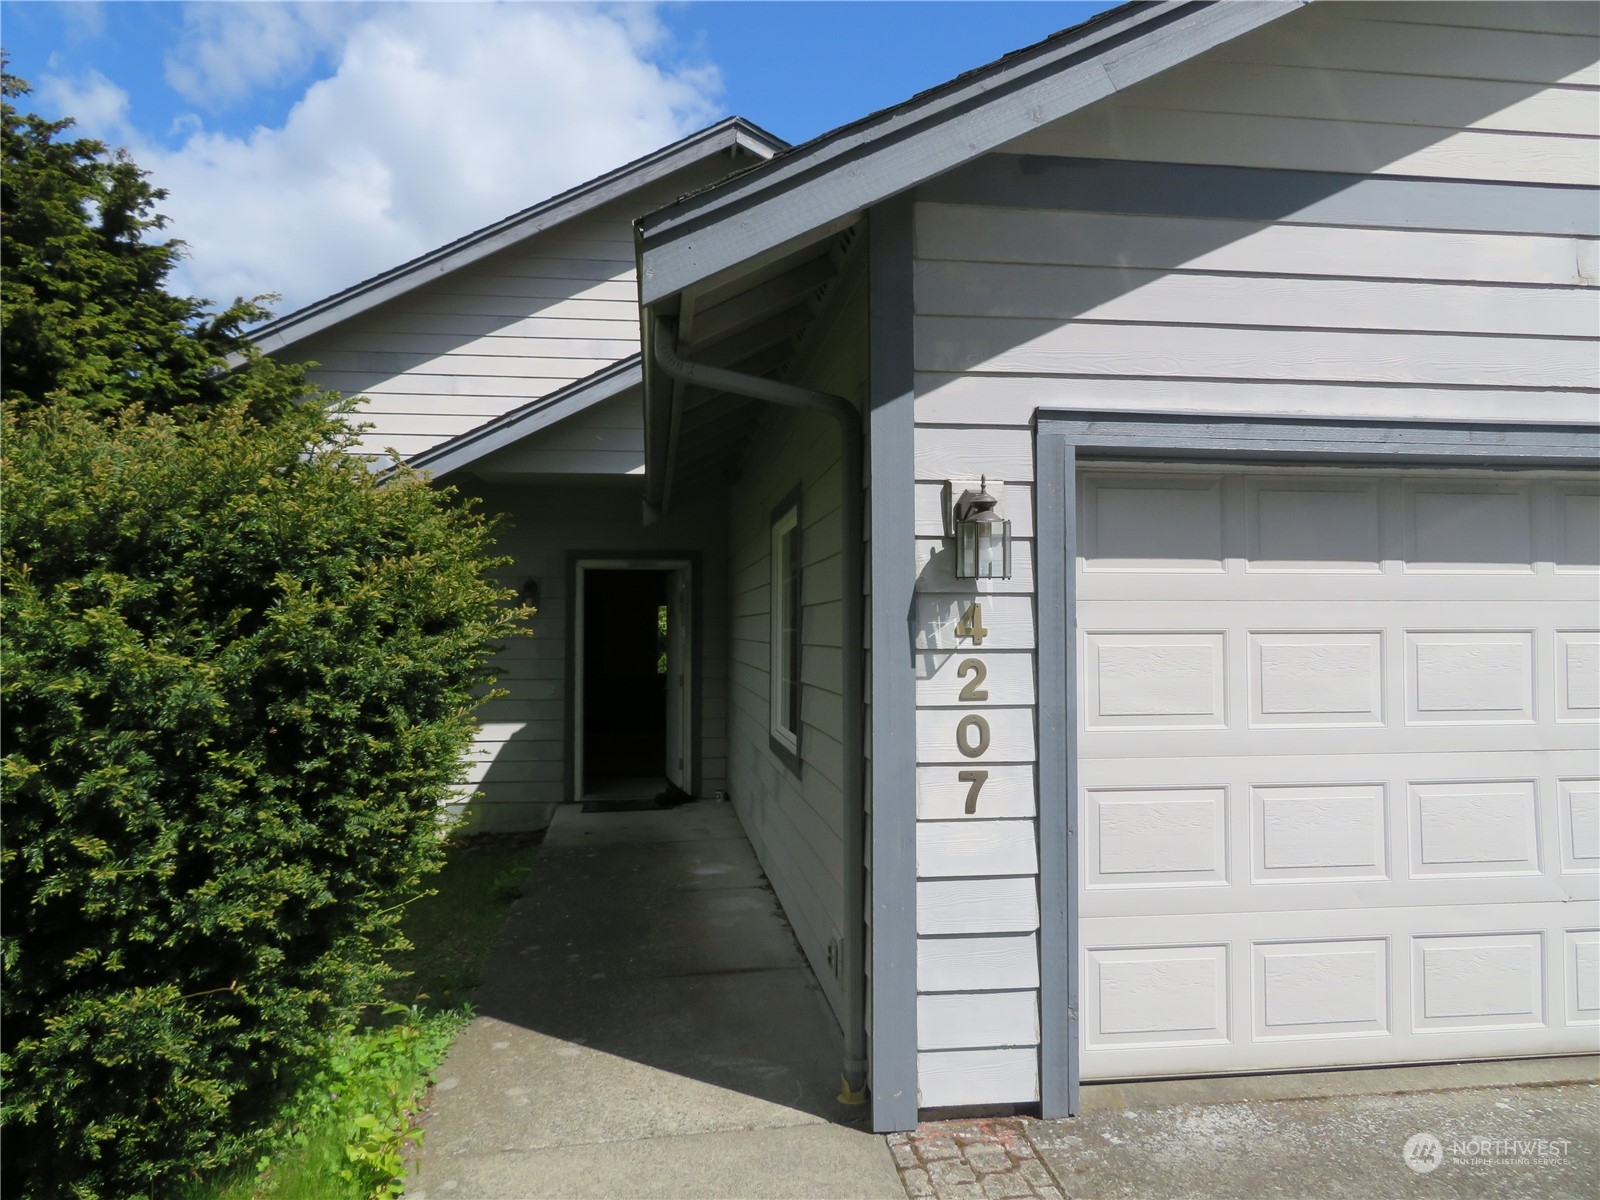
[
  {"x": 1388, "y": 89},
  {"x": 796, "y": 820},
  {"x": 1150, "y": 304},
  {"x": 480, "y": 341}
]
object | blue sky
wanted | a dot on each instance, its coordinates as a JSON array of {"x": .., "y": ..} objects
[{"x": 306, "y": 146}]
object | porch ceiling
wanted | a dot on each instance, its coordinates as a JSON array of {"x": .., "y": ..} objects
[{"x": 757, "y": 324}]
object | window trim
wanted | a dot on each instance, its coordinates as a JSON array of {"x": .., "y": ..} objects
[{"x": 783, "y": 527}]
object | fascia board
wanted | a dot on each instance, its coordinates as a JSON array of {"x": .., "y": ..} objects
[
  {"x": 531, "y": 418},
  {"x": 323, "y": 314},
  {"x": 826, "y": 185}
]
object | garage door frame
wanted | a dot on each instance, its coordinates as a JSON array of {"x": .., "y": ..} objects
[{"x": 1061, "y": 440}]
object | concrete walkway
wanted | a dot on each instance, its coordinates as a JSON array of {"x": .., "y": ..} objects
[{"x": 648, "y": 1028}]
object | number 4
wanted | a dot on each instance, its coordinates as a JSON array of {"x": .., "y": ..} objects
[{"x": 971, "y": 625}]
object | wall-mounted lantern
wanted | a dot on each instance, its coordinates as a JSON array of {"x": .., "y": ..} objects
[
  {"x": 530, "y": 592},
  {"x": 983, "y": 536}
]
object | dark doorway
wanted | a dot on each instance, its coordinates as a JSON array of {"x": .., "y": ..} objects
[{"x": 625, "y": 678}]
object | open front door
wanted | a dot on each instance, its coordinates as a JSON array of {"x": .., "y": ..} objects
[{"x": 678, "y": 680}]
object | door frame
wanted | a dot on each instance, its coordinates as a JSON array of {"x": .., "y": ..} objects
[
  {"x": 1061, "y": 440},
  {"x": 580, "y": 562}
]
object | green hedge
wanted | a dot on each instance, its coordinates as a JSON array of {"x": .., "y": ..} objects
[{"x": 239, "y": 676}]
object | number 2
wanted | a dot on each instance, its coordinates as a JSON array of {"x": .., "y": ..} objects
[{"x": 974, "y": 689}]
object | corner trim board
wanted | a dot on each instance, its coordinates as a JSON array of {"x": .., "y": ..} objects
[
  {"x": 893, "y": 847},
  {"x": 1061, "y": 440},
  {"x": 1055, "y": 508}
]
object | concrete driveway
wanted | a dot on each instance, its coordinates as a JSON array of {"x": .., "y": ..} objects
[{"x": 1461, "y": 1132}]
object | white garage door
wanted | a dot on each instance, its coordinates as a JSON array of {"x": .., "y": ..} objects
[{"x": 1338, "y": 796}]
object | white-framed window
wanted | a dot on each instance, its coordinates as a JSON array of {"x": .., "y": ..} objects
[{"x": 784, "y": 633}]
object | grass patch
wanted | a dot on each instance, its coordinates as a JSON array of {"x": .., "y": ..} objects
[
  {"x": 451, "y": 932},
  {"x": 344, "y": 1133}
]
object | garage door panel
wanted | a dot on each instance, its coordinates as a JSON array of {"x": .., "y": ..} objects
[
  {"x": 1336, "y": 789},
  {"x": 1316, "y": 677},
  {"x": 1582, "y": 970},
  {"x": 1464, "y": 526},
  {"x": 1469, "y": 677},
  {"x": 1331, "y": 986},
  {"x": 1233, "y": 834},
  {"x": 1320, "y": 525},
  {"x": 1319, "y": 989},
  {"x": 1578, "y": 530},
  {"x": 1577, "y": 675},
  {"x": 1578, "y": 807},
  {"x": 1158, "y": 995}
]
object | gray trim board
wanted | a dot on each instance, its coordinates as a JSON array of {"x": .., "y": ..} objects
[
  {"x": 1247, "y": 438},
  {"x": 1055, "y": 507},
  {"x": 1061, "y": 440},
  {"x": 820, "y": 186},
  {"x": 793, "y": 759},
  {"x": 1263, "y": 194},
  {"x": 467, "y": 448},
  {"x": 696, "y": 562},
  {"x": 891, "y": 432},
  {"x": 731, "y": 135}
]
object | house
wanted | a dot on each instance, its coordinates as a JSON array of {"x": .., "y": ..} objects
[{"x": 1271, "y": 330}]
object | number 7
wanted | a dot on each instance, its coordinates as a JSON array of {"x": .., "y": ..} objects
[{"x": 977, "y": 779}]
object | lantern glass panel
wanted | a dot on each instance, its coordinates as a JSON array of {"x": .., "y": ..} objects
[
  {"x": 967, "y": 550},
  {"x": 983, "y": 549},
  {"x": 994, "y": 550}
]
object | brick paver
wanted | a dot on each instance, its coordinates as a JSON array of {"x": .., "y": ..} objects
[{"x": 988, "y": 1159}]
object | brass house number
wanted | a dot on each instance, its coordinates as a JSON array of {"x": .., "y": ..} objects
[{"x": 972, "y": 731}]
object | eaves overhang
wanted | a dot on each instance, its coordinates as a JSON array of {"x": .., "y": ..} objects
[
  {"x": 823, "y": 185},
  {"x": 733, "y": 234}
]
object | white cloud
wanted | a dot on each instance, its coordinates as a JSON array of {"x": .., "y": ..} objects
[
  {"x": 227, "y": 50},
  {"x": 437, "y": 119},
  {"x": 98, "y": 106}
]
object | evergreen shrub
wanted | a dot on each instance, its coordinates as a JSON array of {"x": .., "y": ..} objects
[{"x": 239, "y": 676}]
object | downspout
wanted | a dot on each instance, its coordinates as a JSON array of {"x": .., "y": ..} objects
[{"x": 853, "y": 565}]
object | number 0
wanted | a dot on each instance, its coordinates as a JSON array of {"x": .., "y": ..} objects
[{"x": 969, "y": 725}]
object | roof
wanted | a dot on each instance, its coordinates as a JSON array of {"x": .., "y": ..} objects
[
  {"x": 732, "y": 134},
  {"x": 823, "y": 185}
]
